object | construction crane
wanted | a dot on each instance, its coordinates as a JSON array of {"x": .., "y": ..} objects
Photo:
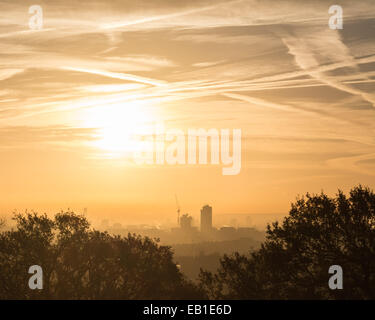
[{"x": 178, "y": 210}]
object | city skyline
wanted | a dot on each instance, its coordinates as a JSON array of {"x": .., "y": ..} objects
[{"x": 184, "y": 155}]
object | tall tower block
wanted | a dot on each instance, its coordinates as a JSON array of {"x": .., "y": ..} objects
[{"x": 206, "y": 219}]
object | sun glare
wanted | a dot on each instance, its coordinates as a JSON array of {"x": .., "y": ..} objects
[{"x": 117, "y": 124}]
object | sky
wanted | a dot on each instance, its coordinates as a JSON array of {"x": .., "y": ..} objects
[{"x": 73, "y": 92}]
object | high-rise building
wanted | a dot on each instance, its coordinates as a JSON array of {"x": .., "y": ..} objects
[
  {"x": 185, "y": 222},
  {"x": 206, "y": 219}
]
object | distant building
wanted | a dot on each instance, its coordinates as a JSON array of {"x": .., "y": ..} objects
[
  {"x": 185, "y": 222},
  {"x": 227, "y": 233},
  {"x": 206, "y": 219}
]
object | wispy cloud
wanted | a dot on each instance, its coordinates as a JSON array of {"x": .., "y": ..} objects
[
  {"x": 21, "y": 136},
  {"x": 328, "y": 46},
  {"x": 116, "y": 75},
  {"x": 235, "y": 53}
]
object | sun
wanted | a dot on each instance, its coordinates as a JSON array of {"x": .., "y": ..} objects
[{"x": 117, "y": 124}]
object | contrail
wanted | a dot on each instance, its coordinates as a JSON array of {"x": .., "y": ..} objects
[
  {"x": 166, "y": 16},
  {"x": 116, "y": 75}
]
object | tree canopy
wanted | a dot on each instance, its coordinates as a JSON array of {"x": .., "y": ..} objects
[
  {"x": 81, "y": 263},
  {"x": 294, "y": 260}
]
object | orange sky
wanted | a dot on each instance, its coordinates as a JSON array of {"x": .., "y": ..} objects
[{"x": 73, "y": 92}]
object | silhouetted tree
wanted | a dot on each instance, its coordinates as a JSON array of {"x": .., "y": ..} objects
[
  {"x": 81, "y": 263},
  {"x": 294, "y": 260}
]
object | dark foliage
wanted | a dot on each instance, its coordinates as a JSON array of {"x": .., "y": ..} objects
[
  {"x": 294, "y": 260},
  {"x": 81, "y": 263}
]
